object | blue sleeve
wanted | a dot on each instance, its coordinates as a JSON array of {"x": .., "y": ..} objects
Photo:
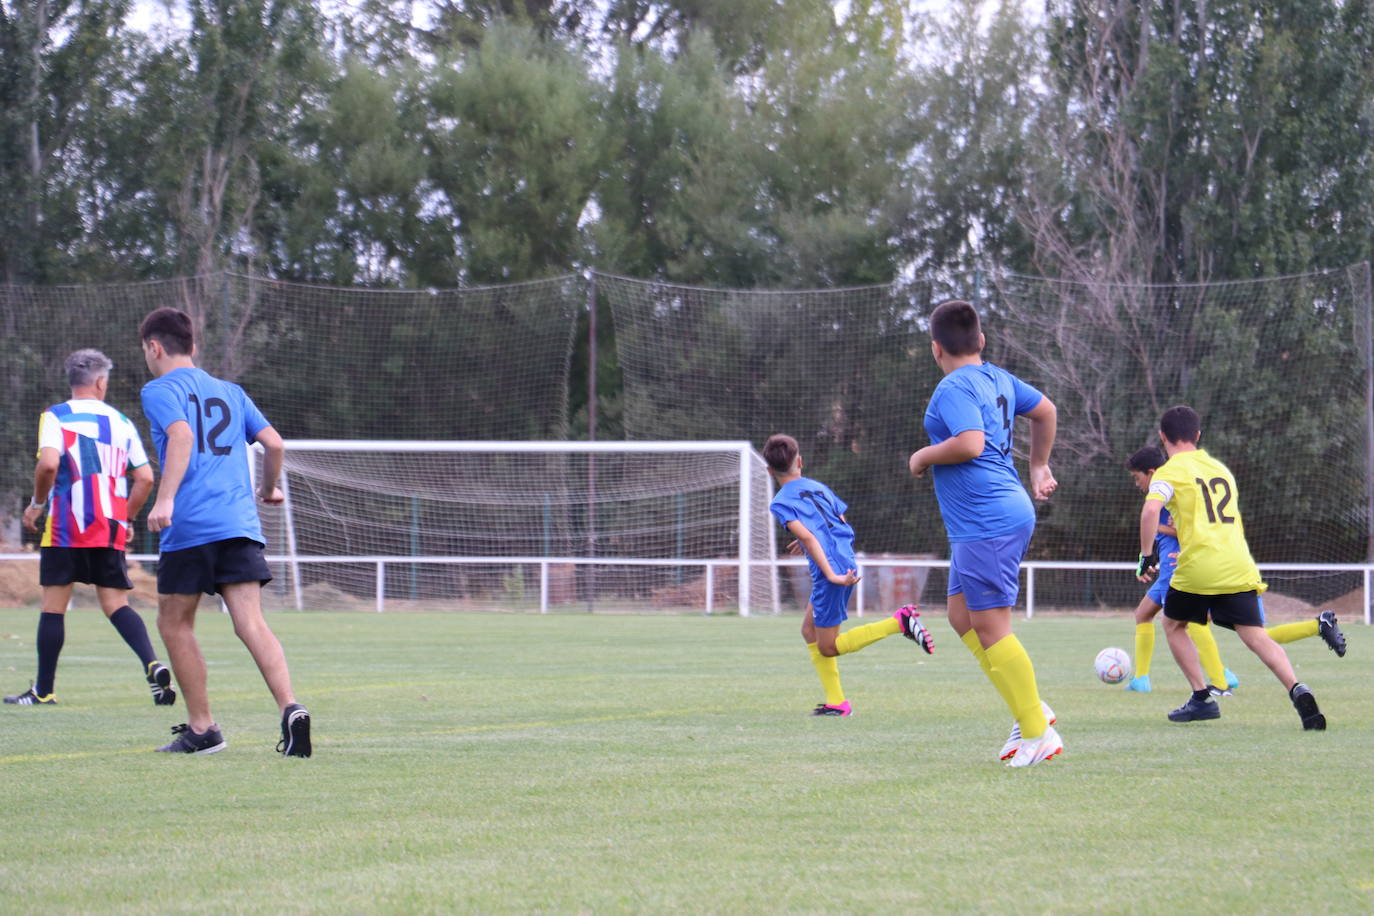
[
  {"x": 958, "y": 409},
  {"x": 253, "y": 420},
  {"x": 841, "y": 506},
  {"x": 783, "y": 512},
  {"x": 163, "y": 406},
  {"x": 1027, "y": 397}
]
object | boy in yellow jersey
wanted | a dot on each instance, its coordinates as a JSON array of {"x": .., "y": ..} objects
[
  {"x": 1142, "y": 466},
  {"x": 1215, "y": 575}
]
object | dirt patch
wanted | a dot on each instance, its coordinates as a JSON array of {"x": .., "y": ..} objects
[{"x": 19, "y": 583}]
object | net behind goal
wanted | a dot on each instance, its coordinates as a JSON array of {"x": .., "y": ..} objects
[{"x": 518, "y": 526}]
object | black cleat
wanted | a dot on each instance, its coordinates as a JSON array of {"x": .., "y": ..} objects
[
  {"x": 1196, "y": 710},
  {"x": 31, "y": 698},
  {"x": 160, "y": 683},
  {"x": 295, "y": 732},
  {"x": 1331, "y": 633},
  {"x": 189, "y": 742},
  {"x": 1306, "y": 705}
]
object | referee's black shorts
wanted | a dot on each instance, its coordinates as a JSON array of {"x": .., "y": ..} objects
[
  {"x": 104, "y": 567},
  {"x": 205, "y": 567},
  {"x": 1230, "y": 611}
]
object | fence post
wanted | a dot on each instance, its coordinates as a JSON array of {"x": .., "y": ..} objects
[
  {"x": 1030, "y": 592},
  {"x": 745, "y": 530},
  {"x": 381, "y": 585}
]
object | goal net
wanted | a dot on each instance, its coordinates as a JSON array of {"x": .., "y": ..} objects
[{"x": 671, "y": 526}]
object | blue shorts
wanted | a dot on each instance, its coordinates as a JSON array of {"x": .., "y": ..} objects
[
  {"x": 988, "y": 572},
  {"x": 1160, "y": 587},
  {"x": 828, "y": 603}
]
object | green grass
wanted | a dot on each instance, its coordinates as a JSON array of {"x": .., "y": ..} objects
[{"x": 601, "y": 764}]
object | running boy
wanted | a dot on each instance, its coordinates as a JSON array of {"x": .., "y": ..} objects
[
  {"x": 1216, "y": 575},
  {"x": 814, "y": 515},
  {"x": 988, "y": 515},
  {"x": 1142, "y": 466}
]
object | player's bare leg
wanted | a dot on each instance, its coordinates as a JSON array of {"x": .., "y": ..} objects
[
  {"x": 1258, "y": 641},
  {"x": 176, "y": 622},
  {"x": 244, "y": 600}
]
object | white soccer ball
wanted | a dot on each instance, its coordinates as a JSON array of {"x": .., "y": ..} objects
[{"x": 1113, "y": 665}]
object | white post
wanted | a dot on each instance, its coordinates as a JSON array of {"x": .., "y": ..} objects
[
  {"x": 745, "y": 530},
  {"x": 710, "y": 587},
  {"x": 544, "y": 587},
  {"x": 859, "y": 598},
  {"x": 381, "y": 585},
  {"x": 289, "y": 519},
  {"x": 1030, "y": 592},
  {"x": 1367, "y": 620}
]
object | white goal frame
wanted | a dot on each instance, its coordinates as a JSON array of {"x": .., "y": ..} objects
[{"x": 749, "y": 460}]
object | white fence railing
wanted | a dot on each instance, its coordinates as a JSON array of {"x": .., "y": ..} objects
[{"x": 709, "y": 567}]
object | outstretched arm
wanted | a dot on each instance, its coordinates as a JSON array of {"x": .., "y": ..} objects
[{"x": 813, "y": 550}]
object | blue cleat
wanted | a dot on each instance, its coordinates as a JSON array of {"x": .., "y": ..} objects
[
  {"x": 1139, "y": 684},
  {"x": 1232, "y": 682}
]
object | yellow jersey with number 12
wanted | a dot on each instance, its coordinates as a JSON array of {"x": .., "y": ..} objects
[{"x": 1200, "y": 494}]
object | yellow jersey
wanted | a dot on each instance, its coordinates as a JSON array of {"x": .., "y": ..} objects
[{"x": 1201, "y": 495}]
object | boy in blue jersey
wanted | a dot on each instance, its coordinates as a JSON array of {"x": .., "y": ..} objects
[
  {"x": 1142, "y": 466},
  {"x": 812, "y": 513},
  {"x": 211, "y": 538},
  {"x": 988, "y": 516}
]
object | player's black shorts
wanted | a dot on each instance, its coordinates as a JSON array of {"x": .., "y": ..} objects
[
  {"x": 1229, "y": 611},
  {"x": 205, "y": 567},
  {"x": 101, "y": 566}
]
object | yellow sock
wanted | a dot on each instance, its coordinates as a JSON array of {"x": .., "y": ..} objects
[
  {"x": 970, "y": 639},
  {"x": 1011, "y": 664},
  {"x": 1144, "y": 648},
  {"x": 866, "y": 635},
  {"x": 1208, "y": 653},
  {"x": 1291, "y": 632},
  {"x": 829, "y": 670}
]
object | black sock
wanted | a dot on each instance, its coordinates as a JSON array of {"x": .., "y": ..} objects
[
  {"x": 52, "y": 632},
  {"x": 130, "y": 626},
  {"x": 1202, "y": 695}
]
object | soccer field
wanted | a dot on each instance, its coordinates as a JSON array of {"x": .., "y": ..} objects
[{"x": 594, "y": 764}]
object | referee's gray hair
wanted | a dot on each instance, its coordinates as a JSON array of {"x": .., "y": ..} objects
[{"x": 85, "y": 366}]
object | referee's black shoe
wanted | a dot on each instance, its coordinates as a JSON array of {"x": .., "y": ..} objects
[
  {"x": 160, "y": 683},
  {"x": 295, "y": 731},
  {"x": 1306, "y": 705}
]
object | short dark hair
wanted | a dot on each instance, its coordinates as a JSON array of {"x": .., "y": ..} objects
[
  {"x": 1181, "y": 424},
  {"x": 1147, "y": 459},
  {"x": 954, "y": 326},
  {"x": 170, "y": 327},
  {"x": 779, "y": 452}
]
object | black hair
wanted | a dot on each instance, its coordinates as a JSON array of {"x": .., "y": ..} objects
[
  {"x": 1147, "y": 459},
  {"x": 1181, "y": 424}
]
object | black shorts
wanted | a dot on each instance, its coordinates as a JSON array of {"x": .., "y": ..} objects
[
  {"x": 100, "y": 566},
  {"x": 1238, "y": 609},
  {"x": 205, "y": 567}
]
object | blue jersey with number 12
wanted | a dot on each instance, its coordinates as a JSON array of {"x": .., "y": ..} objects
[
  {"x": 982, "y": 498},
  {"x": 215, "y": 500}
]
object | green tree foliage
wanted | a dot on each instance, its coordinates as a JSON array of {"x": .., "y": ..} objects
[{"x": 514, "y": 144}]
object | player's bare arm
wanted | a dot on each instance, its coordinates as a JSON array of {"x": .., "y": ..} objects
[
  {"x": 178, "y": 458},
  {"x": 955, "y": 450},
  {"x": 813, "y": 549},
  {"x": 274, "y": 453},
  {"x": 1149, "y": 527},
  {"x": 1044, "y": 422},
  {"x": 44, "y": 476},
  {"x": 141, "y": 489}
]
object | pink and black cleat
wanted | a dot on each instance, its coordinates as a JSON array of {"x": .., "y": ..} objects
[
  {"x": 825, "y": 709},
  {"x": 913, "y": 629}
]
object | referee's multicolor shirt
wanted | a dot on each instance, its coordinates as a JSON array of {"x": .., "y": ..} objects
[{"x": 96, "y": 446}]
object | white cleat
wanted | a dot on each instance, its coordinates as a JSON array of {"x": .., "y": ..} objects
[
  {"x": 1037, "y": 750},
  {"x": 1014, "y": 739}
]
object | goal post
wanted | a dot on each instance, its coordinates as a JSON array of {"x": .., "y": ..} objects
[{"x": 524, "y": 525}]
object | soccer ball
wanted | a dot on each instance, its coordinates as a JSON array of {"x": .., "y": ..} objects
[{"x": 1113, "y": 665}]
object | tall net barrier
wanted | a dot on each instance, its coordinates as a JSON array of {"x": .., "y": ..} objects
[
  {"x": 1279, "y": 370},
  {"x": 524, "y": 526},
  {"x": 478, "y": 363}
]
